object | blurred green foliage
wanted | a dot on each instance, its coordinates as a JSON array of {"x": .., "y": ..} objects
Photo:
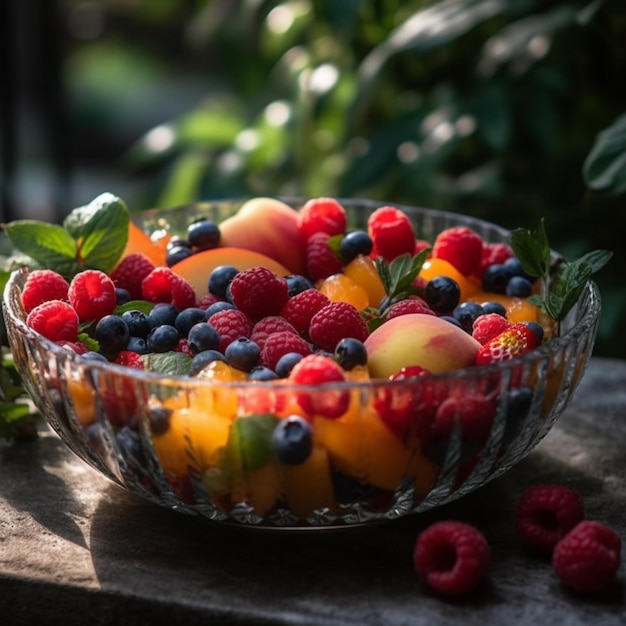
[{"x": 486, "y": 107}]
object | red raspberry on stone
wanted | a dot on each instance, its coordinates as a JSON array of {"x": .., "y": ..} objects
[
  {"x": 321, "y": 261},
  {"x": 392, "y": 233},
  {"x": 460, "y": 246},
  {"x": 41, "y": 286},
  {"x": 55, "y": 319},
  {"x": 588, "y": 557},
  {"x": 452, "y": 557},
  {"x": 130, "y": 272},
  {"x": 164, "y": 285},
  {"x": 408, "y": 306},
  {"x": 268, "y": 325},
  {"x": 280, "y": 343},
  {"x": 230, "y": 324},
  {"x": 317, "y": 371},
  {"x": 546, "y": 513},
  {"x": 334, "y": 322},
  {"x": 514, "y": 341},
  {"x": 488, "y": 326},
  {"x": 258, "y": 292},
  {"x": 92, "y": 294},
  {"x": 492, "y": 254},
  {"x": 129, "y": 359},
  {"x": 322, "y": 215},
  {"x": 299, "y": 309}
]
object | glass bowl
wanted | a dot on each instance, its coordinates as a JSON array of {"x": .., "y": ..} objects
[{"x": 204, "y": 446}]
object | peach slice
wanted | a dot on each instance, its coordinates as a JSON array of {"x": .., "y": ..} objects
[
  {"x": 197, "y": 268},
  {"x": 140, "y": 242}
]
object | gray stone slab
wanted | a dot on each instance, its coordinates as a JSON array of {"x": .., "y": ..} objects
[{"x": 76, "y": 549}]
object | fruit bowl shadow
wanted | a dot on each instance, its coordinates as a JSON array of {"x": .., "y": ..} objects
[{"x": 213, "y": 460}]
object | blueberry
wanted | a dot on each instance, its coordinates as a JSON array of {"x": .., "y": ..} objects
[
  {"x": 138, "y": 345},
  {"x": 203, "y": 234},
  {"x": 220, "y": 278},
  {"x": 355, "y": 243},
  {"x": 292, "y": 440},
  {"x": 442, "y": 294},
  {"x": 137, "y": 322},
  {"x": 177, "y": 254},
  {"x": 495, "y": 278},
  {"x": 517, "y": 409},
  {"x": 494, "y": 307},
  {"x": 537, "y": 329},
  {"x": 177, "y": 242},
  {"x": 112, "y": 334},
  {"x": 159, "y": 418},
  {"x": 261, "y": 373},
  {"x": 94, "y": 356},
  {"x": 243, "y": 354},
  {"x": 204, "y": 358},
  {"x": 122, "y": 296},
  {"x": 514, "y": 265},
  {"x": 163, "y": 338},
  {"x": 350, "y": 353},
  {"x": 518, "y": 287},
  {"x": 286, "y": 363},
  {"x": 216, "y": 307},
  {"x": 466, "y": 313},
  {"x": 297, "y": 284},
  {"x": 188, "y": 318},
  {"x": 163, "y": 313},
  {"x": 203, "y": 336},
  {"x": 451, "y": 320}
]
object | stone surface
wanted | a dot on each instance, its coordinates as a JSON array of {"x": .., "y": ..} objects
[{"x": 76, "y": 549}]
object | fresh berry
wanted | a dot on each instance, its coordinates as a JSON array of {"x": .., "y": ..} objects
[
  {"x": 495, "y": 278},
  {"x": 138, "y": 323},
  {"x": 322, "y": 215},
  {"x": 163, "y": 338},
  {"x": 188, "y": 318},
  {"x": 203, "y": 234},
  {"x": 493, "y": 254},
  {"x": 176, "y": 254},
  {"x": 296, "y": 283},
  {"x": 588, "y": 557},
  {"x": 203, "y": 359},
  {"x": 55, "y": 320},
  {"x": 350, "y": 353},
  {"x": 258, "y": 292},
  {"x": 112, "y": 334},
  {"x": 321, "y": 260},
  {"x": 230, "y": 324},
  {"x": 207, "y": 300},
  {"x": 546, "y": 513},
  {"x": 163, "y": 313},
  {"x": 466, "y": 313},
  {"x": 407, "y": 307},
  {"x": 278, "y": 344},
  {"x": 268, "y": 325},
  {"x": 491, "y": 306},
  {"x": 75, "y": 346},
  {"x": 163, "y": 285},
  {"x": 184, "y": 347},
  {"x": 201, "y": 337},
  {"x": 220, "y": 278},
  {"x": 299, "y": 309},
  {"x": 292, "y": 440},
  {"x": 488, "y": 326},
  {"x": 92, "y": 294},
  {"x": 318, "y": 370},
  {"x": 354, "y": 244},
  {"x": 461, "y": 247},
  {"x": 442, "y": 294},
  {"x": 243, "y": 354},
  {"x": 129, "y": 359},
  {"x": 391, "y": 232},
  {"x": 138, "y": 345},
  {"x": 334, "y": 322},
  {"x": 130, "y": 272},
  {"x": 514, "y": 341},
  {"x": 286, "y": 363},
  {"x": 518, "y": 287},
  {"x": 41, "y": 286},
  {"x": 452, "y": 557}
]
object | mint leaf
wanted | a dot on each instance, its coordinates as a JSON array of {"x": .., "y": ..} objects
[
  {"x": 334, "y": 243},
  {"x": 49, "y": 245},
  {"x": 532, "y": 249},
  {"x": 398, "y": 276},
  {"x": 89, "y": 341},
  {"x": 134, "y": 305},
  {"x": 250, "y": 440},
  {"x": 168, "y": 363},
  {"x": 101, "y": 230}
]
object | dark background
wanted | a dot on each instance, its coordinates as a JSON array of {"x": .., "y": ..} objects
[{"x": 485, "y": 107}]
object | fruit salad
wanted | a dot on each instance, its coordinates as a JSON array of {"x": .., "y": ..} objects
[{"x": 293, "y": 362}]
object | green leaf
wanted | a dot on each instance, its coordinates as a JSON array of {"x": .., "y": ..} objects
[
  {"x": 134, "y": 305},
  {"x": 604, "y": 168},
  {"x": 168, "y": 363},
  {"x": 101, "y": 230},
  {"x": 532, "y": 249},
  {"x": 250, "y": 441},
  {"x": 91, "y": 343},
  {"x": 398, "y": 276},
  {"x": 50, "y": 245}
]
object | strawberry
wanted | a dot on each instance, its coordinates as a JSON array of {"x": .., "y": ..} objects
[{"x": 514, "y": 341}]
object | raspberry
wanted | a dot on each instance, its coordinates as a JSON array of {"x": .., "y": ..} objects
[
  {"x": 316, "y": 370},
  {"x": 207, "y": 300},
  {"x": 410, "y": 305},
  {"x": 451, "y": 557},
  {"x": 230, "y": 324},
  {"x": 461, "y": 247},
  {"x": 92, "y": 294},
  {"x": 588, "y": 557},
  {"x": 268, "y": 325},
  {"x": 184, "y": 347},
  {"x": 41, "y": 286},
  {"x": 323, "y": 215},
  {"x": 392, "y": 233},
  {"x": 334, "y": 322},
  {"x": 74, "y": 346},
  {"x": 278, "y": 344},
  {"x": 130, "y": 272},
  {"x": 321, "y": 261},
  {"x": 56, "y": 320},
  {"x": 258, "y": 292},
  {"x": 299, "y": 309},
  {"x": 492, "y": 254},
  {"x": 164, "y": 285},
  {"x": 546, "y": 513},
  {"x": 488, "y": 326},
  {"x": 514, "y": 341},
  {"x": 129, "y": 359}
]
